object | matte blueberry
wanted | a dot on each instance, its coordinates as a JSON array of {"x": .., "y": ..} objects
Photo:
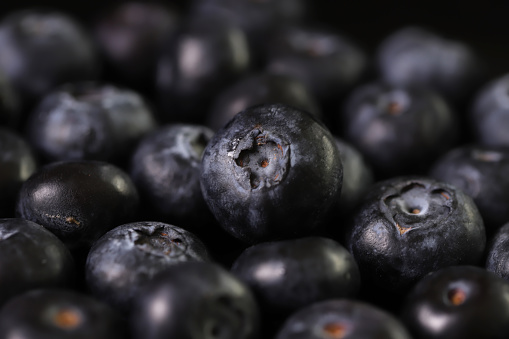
[
  {"x": 59, "y": 314},
  {"x": 257, "y": 89},
  {"x": 78, "y": 201},
  {"x": 290, "y": 274},
  {"x": 195, "y": 300},
  {"x": 342, "y": 318},
  {"x": 497, "y": 253},
  {"x": 17, "y": 164},
  {"x": 273, "y": 172},
  {"x": 31, "y": 257},
  {"x": 458, "y": 302},
  {"x": 130, "y": 255},
  {"x": 407, "y": 227}
]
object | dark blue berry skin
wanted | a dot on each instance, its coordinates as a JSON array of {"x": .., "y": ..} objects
[
  {"x": 414, "y": 56},
  {"x": 407, "y": 227},
  {"x": 480, "y": 172},
  {"x": 128, "y": 256},
  {"x": 31, "y": 257},
  {"x": 464, "y": 302},
  {"x": 78, "y": 201},
  {"x": 130, "y": 37},
  {"x": 272, "y": 172},
  {"x": 203, "y": 57},
  {"x": 497, "y": 253},
  {"x": 290, "y": 274},
  {"x": 399, "y": 131},
  {"x": 10, "y": 114},
  {"x": 59, "y": 314},
  {"x": 342, "y": 318},
  {"x": 195, "y": 300},
  {"x": 489, "y": 117},
  {"x": 43, "y": 49},
  {"x": 17, "y": 164},
  {"x": 166, "y": 167},
  {"x": 89, "y": 121},
  {"x": 257, "y": 89}
]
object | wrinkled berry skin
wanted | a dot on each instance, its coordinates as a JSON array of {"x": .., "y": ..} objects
[
  {"x": 58, "y": 313},
  {"x": 195, "y": 300},
  {"x": 464, "y": 302},
  {"x": 135, "y": 253},
  {"x": 400, "y": 131},
  {"x": 89, "y": 121},
  {"x": 166, "y": 167},
  {"x": 264, "y": 88},
  {"x": 42, "y": 49},
  {"x": 78, "y": 201},
  {"x": 31, "y": 257},
  {"x": 414, "y": 56},
  {"x": 273, "y": 172},
  {"x": 17, "y": 164},
  {"x": 480, "y": 172},
  {"x": 290, "y": 274},
  {"x": 497, "y": 253},
  {"x": 489, "y": 117},
  {"x": 342, "y": 319},
  {"x": 409, "y": 226}
]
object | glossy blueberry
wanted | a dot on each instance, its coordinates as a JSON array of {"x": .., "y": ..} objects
[
  {"x": 414, "y": 56},
  {"x": 290, "y": 274},
  {"x": 407, "y": 227},
  {"x": 480, "y": 172},
  {"x": 262, "y": 88},
  {"x": 78, "y": 201},
  {"x": 342, "y": 318},
  {"x": 59, "y": 314},
  {"x": 17, "y": 164},
  {"x": 88, "y": 121},
  {"x": 195, "y": 300},
  {"x": 10, "y": 114},
  {"x": 458, "y": 302},
  {"x": 326, "y": 62},
  {"x": 399, "y": 130},
  {"x": 31, "y": 257},
  {"x": 130, "y": 255},
  {"x": 204, "y": 57},
  {"x": 42, "y": 49},
  {"x": 166, "y": 167},
  {"x": 489, "y": 118},
  {"x": 130, "y": 36},
  {"x": 272, "y": 172},
  {"x": 497, "y": 253}
]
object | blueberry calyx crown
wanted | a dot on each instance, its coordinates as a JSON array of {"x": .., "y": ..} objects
[
  {"x": 260, "y": 159},
  {"x": 417, "y": 205}
]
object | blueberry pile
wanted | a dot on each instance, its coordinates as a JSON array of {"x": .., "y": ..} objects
[{"x": 244, "y": 169}]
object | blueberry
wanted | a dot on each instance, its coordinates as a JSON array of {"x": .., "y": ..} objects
[
  {"x": 272, "y": 172},
  {"x": 128, "y": 256},
  {"x": 31, "y": 257},
  {"x": 205, "y": 56},
  {"x": 89, "y": 121},
  {"x": 407, "y": 227},
  {"x": 166, "y": 167},
  {"x": 78, "y": 201},
  {"x": 414, "y": 56},
  {"x": 399, "y": 130},
  {"x": 260, "y": 88},
  {"x": 337, "y": 319},
  {"x": 291, "y": 274},
  {"x": 130, "y": 36},
  {"x": 497, "y": 253},
  {"x": 195, "y": 300},
  {"x": 458, "y": 302},
  {"x": 17, "y": 164},
  {"x": 42, "y": 49},
  {"x": 59, "y": 314},
  {"x": 489, "y": 117}
]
